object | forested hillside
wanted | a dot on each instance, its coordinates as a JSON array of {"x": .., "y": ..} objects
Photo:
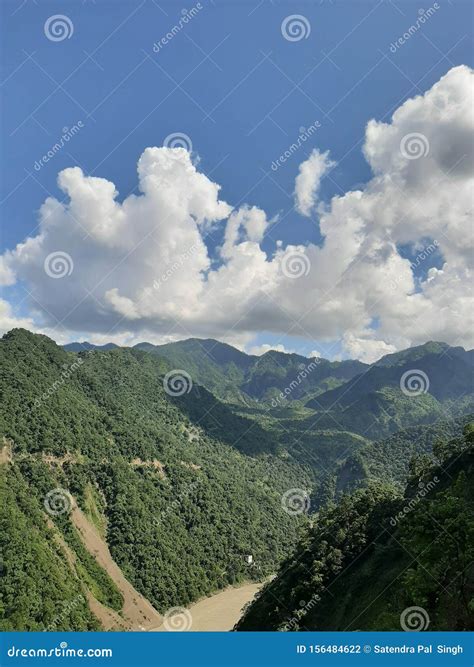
[
  {"x": 190, "y": 491},
  {"x": 375, "y": 555},
  {"x": 180, "y": 508},
  {"x": 242, "y": 378}
]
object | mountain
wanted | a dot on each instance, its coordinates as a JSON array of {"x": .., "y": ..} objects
[
  {"x": 449, "y": 375},
  {"x": 235, "y": 376},
  {"x": 417, "y": 386},
  {"x": 178, "y": 507},
  {"x": 323, "y": 412},
  {"x": 145, "y": 477},
  {"x": 87, "y": 347},
  {"x": 378, "y": 561},
  {"x": 219, "y": 367},
  {"x": 387, "y": 460}
]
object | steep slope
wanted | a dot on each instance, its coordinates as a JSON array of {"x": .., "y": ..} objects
[
  {"x": 178, "y": 507},
  {"x": 417, "y": 386},
  {"x": 237, "y": 377},
  {"x": 137, "y": 613},
  {"x": 448, "y": 371},
  {"x": 367, "y": 562},
  {"x": 219, "y": 367}
]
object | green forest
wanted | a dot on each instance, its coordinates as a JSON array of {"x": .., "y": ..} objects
[{"x": 184, "y": 486}]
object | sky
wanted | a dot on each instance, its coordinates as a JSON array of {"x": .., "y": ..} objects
[{"x": 288, "y": 175}]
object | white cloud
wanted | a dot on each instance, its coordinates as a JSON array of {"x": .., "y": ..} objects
[
  {"x": 9, "y": 320},
  {"x": 308, "y": 181},
  {"x": 367, "y": 349},
  {"x": 142, "y": 268},
  {"x": 244, "y": 224}
]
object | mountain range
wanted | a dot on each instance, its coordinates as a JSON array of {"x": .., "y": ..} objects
[{"x": 184, "y": 460}]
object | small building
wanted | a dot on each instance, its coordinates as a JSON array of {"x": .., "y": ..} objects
[{"x": 248, "y": 559}]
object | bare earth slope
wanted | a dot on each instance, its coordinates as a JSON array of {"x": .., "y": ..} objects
[{"x": 137, "y": 612}]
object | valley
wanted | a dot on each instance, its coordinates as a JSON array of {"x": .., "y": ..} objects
[{"x": 185, "y": 475}]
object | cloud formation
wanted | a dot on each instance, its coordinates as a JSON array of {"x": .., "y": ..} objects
[
  {"x": 308, "y": 181},
  {"x": 141, "y": 266}
]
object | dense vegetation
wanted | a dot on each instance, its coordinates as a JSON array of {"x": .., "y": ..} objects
[
  {"x": 180, "y": 507},
  {"x": 38, "y": 589},
  {"x": 240, "y": 378},
  {"x": 184, "y": 487},
  {"x": 375, "y": 554}
]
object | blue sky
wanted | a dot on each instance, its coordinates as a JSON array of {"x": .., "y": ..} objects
[{"x": 229, "y": 81}]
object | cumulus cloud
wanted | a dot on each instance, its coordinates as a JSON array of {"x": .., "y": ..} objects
[
  {"x": 367, "y": 348},
  {"x": 10, "y": 320},
  {"x": 308, "y": 181},
  {"x": 141, "y": 266}
]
